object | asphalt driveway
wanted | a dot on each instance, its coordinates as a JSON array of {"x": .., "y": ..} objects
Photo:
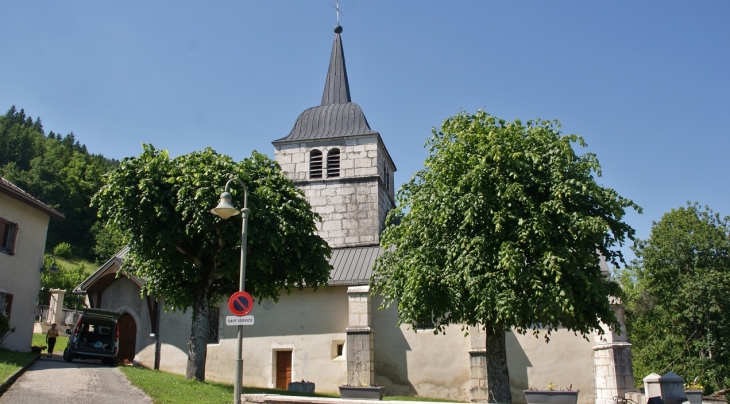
[{"x": 55, "y": 381}]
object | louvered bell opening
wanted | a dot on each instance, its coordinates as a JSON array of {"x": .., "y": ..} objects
[
  {"x": 315, "y": 164},
  {"x": 333, "y": 163}
]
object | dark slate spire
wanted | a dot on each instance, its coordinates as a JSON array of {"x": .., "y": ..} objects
[
  {"x": 337, "y": 116},
  {"x": 336, "y": 88}
]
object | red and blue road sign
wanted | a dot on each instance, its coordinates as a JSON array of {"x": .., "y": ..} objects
[{"x": 240, "y": 303}]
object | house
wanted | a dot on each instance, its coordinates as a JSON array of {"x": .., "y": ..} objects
[
  {"x": 337, "y": 335},
  {"x": 23, "y": 227}
]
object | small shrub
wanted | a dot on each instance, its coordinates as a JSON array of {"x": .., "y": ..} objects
[{"x": 63, "y": 250}]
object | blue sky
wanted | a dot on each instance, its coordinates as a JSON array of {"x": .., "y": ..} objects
[{"x": 647, "y": 84}]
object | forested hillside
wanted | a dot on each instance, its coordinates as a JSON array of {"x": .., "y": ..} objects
[{"x": 61, "y": 172}]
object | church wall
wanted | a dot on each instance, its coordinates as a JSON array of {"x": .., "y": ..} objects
[
  {"x": 310, "y": 324},
  {"x": 567, "y": 359},
  {"x": 419, "y": 363},
  {"x": 431, "y": 365}
]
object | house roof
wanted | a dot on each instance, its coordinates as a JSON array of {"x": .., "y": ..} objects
[
  {"x": 337, "y": 116},
  {"x": 12, "y": 190},
  {"x": 106, "y": 274},
  {"x": 350, "y": 266}
]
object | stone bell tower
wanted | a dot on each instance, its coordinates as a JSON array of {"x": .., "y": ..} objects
[{"x": 340, "y": 163}]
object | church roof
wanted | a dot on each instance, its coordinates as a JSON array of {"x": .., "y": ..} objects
[
  {"x": 353, "y": 265},
  {"x": 336, "y": 116},
  {"x": 350, "y": 266}
]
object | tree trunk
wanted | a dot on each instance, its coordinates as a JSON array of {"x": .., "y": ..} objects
[
  {"x": 198, "y": 345},
  {"x": 497, "y": 372}
]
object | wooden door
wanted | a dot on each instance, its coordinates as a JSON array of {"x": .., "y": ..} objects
[
  {"x": 283, "y": 369},
  {"x": 127, "y": 338}
]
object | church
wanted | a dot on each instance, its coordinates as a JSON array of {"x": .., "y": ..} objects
[{"x": 337, "y": 335}]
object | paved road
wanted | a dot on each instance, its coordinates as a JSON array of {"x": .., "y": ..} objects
[{"x": 55, "y": 381}]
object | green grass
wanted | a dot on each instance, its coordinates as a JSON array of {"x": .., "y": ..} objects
[
  {"x": 171, "y": 388},
  {"x": 61, "y": 342},
  {"x": 11, "y": 362},
  {"x": 89, "y": 266}
]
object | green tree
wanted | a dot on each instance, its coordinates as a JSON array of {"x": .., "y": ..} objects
[
  {"x": 676, "y": 297},
  {"x": 191, "y": 255},
  {"x": 503, "y": 228},
  {"x": 67, "y": 279},
  {"x": 57, "y": 170}
]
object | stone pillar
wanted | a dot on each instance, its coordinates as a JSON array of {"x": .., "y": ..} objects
[
  {"x": 478, "y": 391},
  {"x": 55, "y": 306},
  {"x": 612, "y": 360},
  {"x": 360, "y": 352}
]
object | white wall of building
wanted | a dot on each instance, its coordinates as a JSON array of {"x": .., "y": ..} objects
[{"x": 20, "y": 273}]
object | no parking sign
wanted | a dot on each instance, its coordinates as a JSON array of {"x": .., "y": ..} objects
[{"x": 240, "y": 303}]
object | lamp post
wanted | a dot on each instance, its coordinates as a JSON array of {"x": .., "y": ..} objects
[
  {"x": 225, "y": 209},
  {"x": 53, "y": 268}
]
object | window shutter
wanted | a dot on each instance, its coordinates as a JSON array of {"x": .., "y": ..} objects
[
  {"x": 333, "y": 163},
  {"x": 315, "y": 164}
]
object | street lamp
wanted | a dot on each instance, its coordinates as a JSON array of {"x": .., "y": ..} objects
[
  {"x": 53, "y": 268},
  {"x": 225, "y": 209}
]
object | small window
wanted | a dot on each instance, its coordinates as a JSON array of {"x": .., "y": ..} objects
[
  {"x": 338, "y": 349},
  {"x": 333, "y": 163},
  {"x": 9, "y": 231},
  {"x": 425, "y": 323},
  {"x": 213, "y": 325},
  {"x": 315, "y": 164}
]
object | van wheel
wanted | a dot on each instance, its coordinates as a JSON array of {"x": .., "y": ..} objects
[{"x": 67, "y": 355}]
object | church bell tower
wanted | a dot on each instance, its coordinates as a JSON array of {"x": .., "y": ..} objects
[{"x": 340, "y": 163}]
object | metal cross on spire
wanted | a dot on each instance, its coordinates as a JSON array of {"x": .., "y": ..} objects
[{"x": 337, "y": 10}]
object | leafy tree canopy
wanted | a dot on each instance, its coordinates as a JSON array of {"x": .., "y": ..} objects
[
  {"x": 57, "y": 170},
  {"x": 503, "y": 227},
  {"x": 192, "y": 256},
  {"x": 68, "y": 277},
  {"x": 676, "y": 297}
]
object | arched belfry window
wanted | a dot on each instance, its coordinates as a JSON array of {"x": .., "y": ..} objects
[
  {"x": 315, "y": 164},
  {"x": 333, "y": 163}
]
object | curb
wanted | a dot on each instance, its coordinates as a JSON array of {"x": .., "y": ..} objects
[{"x": 10, "y": 380}]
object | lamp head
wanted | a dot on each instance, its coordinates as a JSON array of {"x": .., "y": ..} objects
[
  {"x": 53, "y": 268},
  {"x": 225, "y": 208}
]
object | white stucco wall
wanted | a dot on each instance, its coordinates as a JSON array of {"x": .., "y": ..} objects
[
  {"x": 123, "y": 296},
  {"x": 20, "y": 273},
  {"x": 305, "y": 322},
  {"x": 419, "y": 363},
  {"x": 311, "y": 324}
]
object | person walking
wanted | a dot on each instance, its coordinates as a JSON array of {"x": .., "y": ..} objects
[{"x": 51, "y": 336}]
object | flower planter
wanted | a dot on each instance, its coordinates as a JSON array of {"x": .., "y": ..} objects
[
  {"x": 694, "y": 396},
  {"x": 362, "y": 393},
  {"x": 551, "y": 397},
  {"x": 301, "y": 387}
]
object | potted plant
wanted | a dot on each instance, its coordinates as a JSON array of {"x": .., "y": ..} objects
[
  {"x": 693, "y": 391},
  {"x": 362, "y": 392},
  {"x": 552, "y": 395}
]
